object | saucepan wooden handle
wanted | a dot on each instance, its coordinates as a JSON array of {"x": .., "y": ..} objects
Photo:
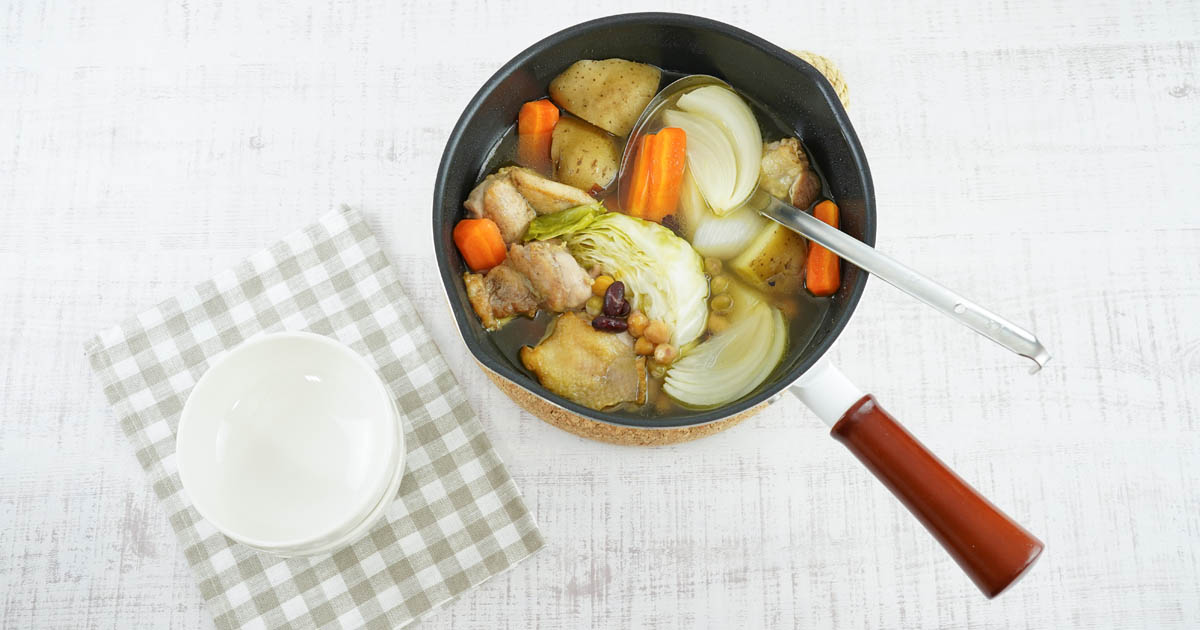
[{"x": 989, "y": 546}]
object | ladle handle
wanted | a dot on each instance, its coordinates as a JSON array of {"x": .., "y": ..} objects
[
  {"x": 992, "y": 549},
  {"x": 903, "y": 277}
]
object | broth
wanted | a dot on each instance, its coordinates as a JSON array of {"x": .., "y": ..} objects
[{"x": 804, "y": 312}]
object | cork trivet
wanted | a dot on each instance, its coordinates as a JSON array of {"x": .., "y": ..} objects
[{"x": 633, "y": 436}]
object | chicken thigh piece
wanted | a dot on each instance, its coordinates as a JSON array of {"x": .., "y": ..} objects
[
  {"x": 593, "y": 368},
  {"x": 497, "y": 199},
  {"x": 555, "y": 275}
]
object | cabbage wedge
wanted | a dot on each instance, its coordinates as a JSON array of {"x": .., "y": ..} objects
[
  {"x": 556, "y": 224},
  {"x": 662, "y": 273}
]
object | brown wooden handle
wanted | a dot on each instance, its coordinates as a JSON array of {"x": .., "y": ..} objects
[{"x": 990, "y": 547}]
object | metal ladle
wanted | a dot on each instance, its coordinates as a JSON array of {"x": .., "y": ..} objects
[{"x": 863, "y": 256}]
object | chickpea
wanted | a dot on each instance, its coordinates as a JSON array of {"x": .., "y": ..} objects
[
  {"x": 600, "y": 285},
  {"x": 657, "y": 370},
  {"x": 664, "y": 353},
  {"x": 722, "y": 304},
  {"x": 720, "y": 284},
  {"x": 643, "y": 347},
  {"x": 637, "y": 323},
  {"x": 594, "y": 305},
  {"x": 712, "y": 266},
  {"x": 716, "y": 324},
  {"x": 657, "y": 332}
]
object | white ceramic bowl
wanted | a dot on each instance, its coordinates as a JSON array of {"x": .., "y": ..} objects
[
  {"x": 353, "y": 532},
  {"x": 291, "y": 444}
]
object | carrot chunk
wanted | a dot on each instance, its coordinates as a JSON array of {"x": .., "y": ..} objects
[
  {"x": 480, "y": 243},
  {"x": 535, "y": 132},
  {"x": 657, "y": 175},
  {"x": 823, "y": 273},
  {"x": 638, "y": 192}
]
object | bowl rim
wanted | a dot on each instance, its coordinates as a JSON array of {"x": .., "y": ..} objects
[
  {"x": 772, "y": 389},
  {"x": 363, "y": 507}
]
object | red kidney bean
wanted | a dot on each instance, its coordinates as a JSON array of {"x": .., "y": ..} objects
[
  {"x": 614, "y": 296},
  {"x": 625, "y": 308},
  {"x": 609, "y": 324}
]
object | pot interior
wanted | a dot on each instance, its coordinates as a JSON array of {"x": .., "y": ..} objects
[{"x": 794, "y": 92}]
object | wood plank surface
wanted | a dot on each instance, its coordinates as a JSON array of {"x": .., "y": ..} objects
[{"x": 1039, "y": 156}]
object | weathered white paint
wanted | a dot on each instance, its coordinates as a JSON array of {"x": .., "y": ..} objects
[{"x": 1040, "y": 157}]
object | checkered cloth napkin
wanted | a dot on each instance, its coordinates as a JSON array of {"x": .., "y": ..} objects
[{"x": 458, "y": 518}]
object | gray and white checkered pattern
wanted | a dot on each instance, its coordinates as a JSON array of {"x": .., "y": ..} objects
[{"x": 459, "y": 518}]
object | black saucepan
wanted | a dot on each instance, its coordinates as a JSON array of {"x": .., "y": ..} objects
[{"x": 992, "y": 549}]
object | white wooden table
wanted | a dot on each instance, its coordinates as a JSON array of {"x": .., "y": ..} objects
[{"x": 1043, "y": 159}]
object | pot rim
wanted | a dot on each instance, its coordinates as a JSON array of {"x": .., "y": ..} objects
[{"x": 771, "y": 389}]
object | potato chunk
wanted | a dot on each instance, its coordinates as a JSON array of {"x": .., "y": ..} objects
[
  {"x": 584, "y": 156},
  {"x": 609, "y": 93},
  {"x": 774, "y": 261}
]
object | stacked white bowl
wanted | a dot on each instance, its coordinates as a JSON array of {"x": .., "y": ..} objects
[{"x": 291, "y": 444}]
